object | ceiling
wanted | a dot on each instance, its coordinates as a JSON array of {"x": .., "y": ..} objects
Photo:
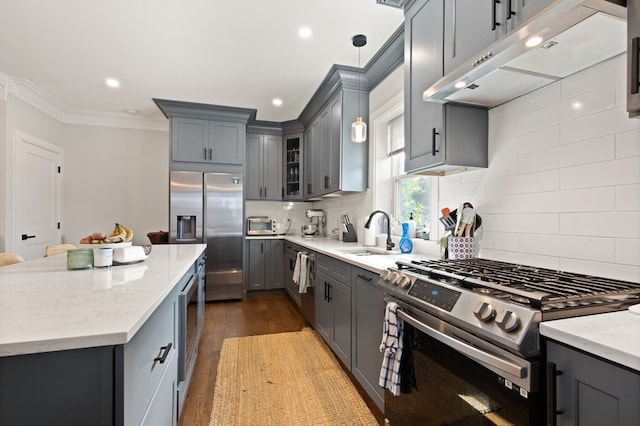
[{"x": 235, "y": 53}]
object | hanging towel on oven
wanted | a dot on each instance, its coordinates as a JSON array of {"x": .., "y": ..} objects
[
  {"x": 296, "y": 268},
  {"x": 391, "y": 346},
  {"x": 305, "y": 264}
]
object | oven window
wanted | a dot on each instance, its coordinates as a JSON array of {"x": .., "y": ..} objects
[{"x": 451, "y": 389}]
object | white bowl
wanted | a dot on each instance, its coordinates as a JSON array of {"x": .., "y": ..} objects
[{"x": 106, "y": 245}]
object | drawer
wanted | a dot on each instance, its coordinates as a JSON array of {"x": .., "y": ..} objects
[
  {"x": 342, "y": 272},
  {"x": 324, "y": 263},
  {"x": 143, "y": 371}
]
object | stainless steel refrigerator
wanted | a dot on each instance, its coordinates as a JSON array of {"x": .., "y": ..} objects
[{"x": 208, "y": 208}]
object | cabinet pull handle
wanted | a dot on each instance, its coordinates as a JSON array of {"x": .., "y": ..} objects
[
  {"x": 26, "y": 237},
  {"x": 510, "y": 7},
  {"x": 364, "y": 277},
  {"x": 204, "y": 153},
  {"x": 326, "y": 182},
  {"x": 210, "y": 154},
  {"x": 261, "y": 248},
  {"x": 326, "y": 297},
  {"x": 308, "y": 188},
  {"x": 494, "y": 23},
  {"x": 265, "y": 192},
  {"x": 162, "y": 358},
  {"x": 260, "y": 192},
  {"x": 552, "y": 409},
  {"x": 433, "y": 141},
  {"x": 635, "y": 67}
]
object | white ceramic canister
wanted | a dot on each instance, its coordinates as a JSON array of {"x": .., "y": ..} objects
[{"x": 102, "y": 257}]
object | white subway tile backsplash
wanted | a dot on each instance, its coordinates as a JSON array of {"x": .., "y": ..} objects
[
  {"x": 599, "y": 124},
  {"x": 503, "y": 241},
  {"x": 530, "y": 223},
  {"x": 628, "y": 198},
  {"x": 628, "y": 144},
  {"x": 590, "y": 151},
  {"x": 587, "y": 248},
  {"x": 601, "y": 269},
  {"x": 537, "y": 141},
  {"x": 498, "y": 204},
  {"x": 628, "y": 251},
  {"x": 616, "y": 172},
  {"x": 578, "y": 200},
  {"x": 602, "y": 98},
  {"x": 602, "y": 224},
  {"x": 521, "y": 184}
]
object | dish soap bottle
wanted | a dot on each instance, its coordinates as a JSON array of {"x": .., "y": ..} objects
[
  {"x": 412, "y": 226},
  {"x": 406, "y": 245}
]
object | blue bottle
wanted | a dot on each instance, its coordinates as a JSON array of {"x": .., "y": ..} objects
[{"x": 406, "y": 245}]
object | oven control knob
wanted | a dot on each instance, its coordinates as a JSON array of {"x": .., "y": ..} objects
[
  {"x": 484, "y": 311},
  {"x": 385, "y": 275},
  {"x": 404, "y": 282},
  {"x": 395, "y": 276},
  {"x": 507, "y": 320}
]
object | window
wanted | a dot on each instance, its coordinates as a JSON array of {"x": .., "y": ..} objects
[{"x": 411, "y": 193}]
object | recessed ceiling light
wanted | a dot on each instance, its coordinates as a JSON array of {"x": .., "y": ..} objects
[
  {"x": 277, "y": 101},
  {"x": 533, "y": 41},
  {"x": 112, "y": 82},
  {"x": 304, "y": 32}
]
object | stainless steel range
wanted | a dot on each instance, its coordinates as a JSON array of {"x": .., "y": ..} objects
[{"x": 478, "y": 320}]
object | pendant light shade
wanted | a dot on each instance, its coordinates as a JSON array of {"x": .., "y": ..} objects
[
  {"x": 359, "y": 127},
  {"x": 359, "y": 130}
]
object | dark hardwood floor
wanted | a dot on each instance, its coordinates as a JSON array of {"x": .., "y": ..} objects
[{"x": 258, "y": 314}]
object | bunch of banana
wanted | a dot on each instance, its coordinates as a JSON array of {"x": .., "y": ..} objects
[{"x": 120, "y": 234}]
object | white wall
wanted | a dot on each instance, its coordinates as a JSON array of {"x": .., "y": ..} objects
[
  {"x": 115, "y": 175},
  {"x": 563, "y": 185},
  {"x": 109, "y": 174}
]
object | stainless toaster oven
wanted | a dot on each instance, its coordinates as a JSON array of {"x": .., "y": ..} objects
[{"x": 260, "y": 225}]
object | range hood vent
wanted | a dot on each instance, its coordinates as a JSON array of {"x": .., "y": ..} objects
[{"x": 576, "y": 34}]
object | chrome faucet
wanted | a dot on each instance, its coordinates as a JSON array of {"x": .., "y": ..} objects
[{"x": 390, "y": 244}]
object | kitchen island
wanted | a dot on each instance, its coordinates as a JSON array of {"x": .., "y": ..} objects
[{"x": 94, "y": 346}]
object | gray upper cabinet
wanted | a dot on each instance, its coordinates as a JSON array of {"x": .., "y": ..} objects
[
  {"x": 293, "y": 170},
  {"x": 438, "y": 138},
  {"x": 633, "y": 59},
  {"x": 264, "y": 167},
  {"x": 204, "y": 137},
  {"x": 332, "y": 162},
  {"x": 423, "y": 34},
  {"x": 203, "y": 141},
  {"x": 472, "y": 25}
]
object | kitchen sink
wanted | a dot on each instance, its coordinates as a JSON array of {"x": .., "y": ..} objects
[{"x": 367, "y": 252}]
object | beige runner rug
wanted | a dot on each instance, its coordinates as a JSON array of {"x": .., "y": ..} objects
[{"x": 284, "y": 379}]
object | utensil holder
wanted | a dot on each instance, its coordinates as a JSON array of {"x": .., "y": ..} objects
[{"x": 349, "y": 236}]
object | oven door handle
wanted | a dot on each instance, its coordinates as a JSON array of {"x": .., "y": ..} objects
[{"x": 466, "y": 349}]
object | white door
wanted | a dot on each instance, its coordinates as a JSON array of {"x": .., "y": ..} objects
[{"x": 37, "y": 195}]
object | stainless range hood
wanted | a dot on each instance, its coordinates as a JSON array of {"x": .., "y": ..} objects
[{"x": 576, "y": 34}]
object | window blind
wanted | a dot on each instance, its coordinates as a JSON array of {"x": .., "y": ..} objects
[{"x": 396, "y": 135}]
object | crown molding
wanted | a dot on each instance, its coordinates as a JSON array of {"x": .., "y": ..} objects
[{"x": 31, "y": 94}]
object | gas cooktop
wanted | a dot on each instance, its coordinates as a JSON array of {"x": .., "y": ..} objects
[{"x": 500, "y": 301}]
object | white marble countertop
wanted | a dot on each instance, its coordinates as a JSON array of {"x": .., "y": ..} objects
[
  {"x": 339, "y": 250},
  {"x": 613, "y": 336},
  {"x": 44, "y": 307}
]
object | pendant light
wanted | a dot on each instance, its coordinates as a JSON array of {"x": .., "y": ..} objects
[{"x": 359, "y": 127}]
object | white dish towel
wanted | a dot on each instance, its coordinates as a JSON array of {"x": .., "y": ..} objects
[{"x": 301, "y": 271}]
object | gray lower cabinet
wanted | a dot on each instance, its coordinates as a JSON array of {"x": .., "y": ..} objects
[
  {"x": 633, "y": 58},
  {"x": 264, "y": 167},
  {"x": 333, "y": 305},
  {"x": 206, "y": 141},
  {"x": 368, "y": 316},
  {"x": 122, "y": 385},
  {"x": 590, "y": 391},
  {"x": 290, "y": 256},
  {"x": 437, "y": 137},
  {"x": 265, "y": 264}
]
